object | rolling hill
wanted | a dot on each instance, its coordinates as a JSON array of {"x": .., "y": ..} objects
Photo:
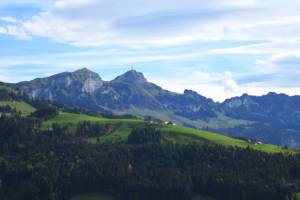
[
  {"x": 123, "y": 126},
  {"x": 10, "y": 98},
  {"x": 170, "y": 133}
]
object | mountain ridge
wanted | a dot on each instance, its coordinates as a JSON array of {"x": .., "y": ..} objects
[
  {"x": 132, "y": 93},
  {"x": 82, "y": 71}
]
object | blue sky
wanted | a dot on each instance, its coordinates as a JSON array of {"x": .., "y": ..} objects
[{"x": 219, "y": 48}]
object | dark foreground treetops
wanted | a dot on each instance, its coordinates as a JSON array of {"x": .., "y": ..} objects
[{"x": 36, "y": 164}]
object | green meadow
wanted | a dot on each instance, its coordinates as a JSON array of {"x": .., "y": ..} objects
[
  {"x": 23, "y": 107},
  {"x": 73, "y": 119},
  {"x": 174, "y": 134},
  {"x": 219, "y": 139}
]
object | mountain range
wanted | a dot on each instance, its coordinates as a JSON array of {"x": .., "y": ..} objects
[{"x": 272, "y": 118}]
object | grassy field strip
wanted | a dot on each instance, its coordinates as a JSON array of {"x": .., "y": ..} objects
[
  {"x": 223, "y": 140},
  {"x": 183, "y": 138},
  {"x": 73, "y": 119},
  {"x": 189, "y": 135},
  {"x": 119, "y": 135},
  {"x": 23, "y": 107}
]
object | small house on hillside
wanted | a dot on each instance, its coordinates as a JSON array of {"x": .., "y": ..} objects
[
  {"x": 151, "y": 120},
  {"x": 170, "y": 123},
  {"x": 255, "y": 142}
]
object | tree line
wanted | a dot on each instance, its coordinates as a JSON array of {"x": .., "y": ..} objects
[{"x": 37, "y": 164}]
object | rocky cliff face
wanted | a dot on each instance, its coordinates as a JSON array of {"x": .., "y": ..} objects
[{"x": 72, "y": 89}]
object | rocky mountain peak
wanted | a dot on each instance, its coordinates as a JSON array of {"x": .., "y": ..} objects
[
  {"x": 85, "y": 73},
  {"x": 90, "y": 81},
  {"x": 236, "y": 102},
  {"x": 190, "y": 93},
  {"x": 132, "y": 76}
]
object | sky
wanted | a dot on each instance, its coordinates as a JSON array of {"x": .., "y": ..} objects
[{"x": 219, "y": 48}]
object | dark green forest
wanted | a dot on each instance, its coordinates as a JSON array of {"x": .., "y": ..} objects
[{"x": 56, "y": 164}]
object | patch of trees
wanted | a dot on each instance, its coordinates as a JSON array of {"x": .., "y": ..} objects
[
  {"x": 7, "y": 109},
  {"x": 55, "y": 165},
  {"x": 6, "y": 95},
  {"x": 15, "y": 95},
  {"x": 90, "y": 129},
  {"x": 15, "y": 132},
  {"x": 142, "y": 135},
  {"x": 114, "y": 116},
  {"x": 45, "y": 113}
]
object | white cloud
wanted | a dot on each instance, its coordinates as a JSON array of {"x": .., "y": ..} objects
[
  {"x": 14, "y": 2},
  {"x": 287, "y": 59},
  {"x": 9, "y": 19},
  {"x": 4, "y": 78},
  {"x": 96, "y": 23},
  {"x": 217, "y": 92},
  {"x": 287, "y": 63},
  {"x": 65, "y": 3},
  {"x": 217, "y": 86},
  {"x": 230, "y": 84},
  {"x": 14, "y": 31}
]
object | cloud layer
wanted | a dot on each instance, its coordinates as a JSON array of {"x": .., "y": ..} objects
[{"x": 233, "y": 46}]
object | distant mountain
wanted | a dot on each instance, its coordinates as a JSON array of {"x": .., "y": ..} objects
[
  {"x": 84, "y": 88},
  {"x": 272, "y": 118},
  {"x": 275, "y": 118},
  {"x": 281, "y": 110}
]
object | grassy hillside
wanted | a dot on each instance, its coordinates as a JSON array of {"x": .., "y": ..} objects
[
  {"x": 4, "y": 87},
  {"x": 73, "y": 119},
  {"x": 174, "y": 134},
  {"x": 23, "y": 107},
  {"x": 123, "y": 127},
  {"x": 19, "y": 105},
  {"x": 219, "y": 139}
]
